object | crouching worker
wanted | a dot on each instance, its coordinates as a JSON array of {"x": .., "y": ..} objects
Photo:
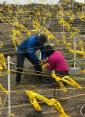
[
  {"x": 56, "y": 61},
  {"x": 27, "y": 49}
]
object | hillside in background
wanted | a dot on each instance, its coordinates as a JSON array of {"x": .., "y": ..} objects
[{"x": 62, "y": 24}]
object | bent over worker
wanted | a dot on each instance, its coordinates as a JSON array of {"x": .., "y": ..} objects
[
  {"x": 56, "y": 61},
  {"x": 27, "y": 49}
]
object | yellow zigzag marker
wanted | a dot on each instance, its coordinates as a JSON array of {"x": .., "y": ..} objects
[
  {"x": 37, "y": 27},
  {"x": 24, "y": 29},
  {"x": 2, "y": 62},
  {"x": 73, "y": 50},
  {"x": 18, "y": 33},
  {"x": 82, "y": 16},
  {"x": 50, "y": 102},
  {"x": 66, "y": 79},
  {"x": 76, "y": 51},
  {"x": 3, "y": 89},
  {"x": 1, "y": 44},
  {"x": 14, "y": 38},
  {"x": 83, "y": 71}
]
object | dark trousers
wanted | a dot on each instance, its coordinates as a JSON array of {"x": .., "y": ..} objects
[
  {"x": 61, "y": 73},
  {"x": 20, "y": 63}
]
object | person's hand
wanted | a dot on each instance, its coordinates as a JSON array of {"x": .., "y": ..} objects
[
  {"x": 42, "y": 62},
  {"x": 44, "y": 67}
]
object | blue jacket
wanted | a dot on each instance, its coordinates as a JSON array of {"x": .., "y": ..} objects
[{"x": 30, "y": 46}]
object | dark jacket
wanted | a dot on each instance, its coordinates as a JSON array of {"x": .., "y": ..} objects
[{"x": 30, "y": 46}]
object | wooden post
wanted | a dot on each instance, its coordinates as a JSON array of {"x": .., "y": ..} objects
[{"x": 9, "y": 96}]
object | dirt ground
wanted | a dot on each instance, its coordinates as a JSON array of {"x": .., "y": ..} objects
[
  {"x": 20, "y": 105},
  {"x": 72, "y": 101}
]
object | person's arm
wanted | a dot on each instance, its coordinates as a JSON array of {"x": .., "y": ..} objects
[
  {"x": 33, "y": 56},
  {"x": 31, "y": 47}
]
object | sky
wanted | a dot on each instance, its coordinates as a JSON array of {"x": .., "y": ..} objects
[
  {"x": 29, "y": 1},
  {"x": 80, "y": 1},
  {"x": 35, "y": 1}
]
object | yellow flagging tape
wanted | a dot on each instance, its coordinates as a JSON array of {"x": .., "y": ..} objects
[
  {"x": 12, "y": 115},
  {"x": 50, "y": 102},
  {"x": 18, "y": 33},
  {"x": 44, "y": 15},
  {"x": 22, "y": 28},
  {"x": 65, "y": 79},
  {"x": 38, "y": 27},
  {"x": 3, "y": 89},
  {"x": 2, "y": 62},
  {"x": 1, "y": 44},
  {"x": 58, "y": 80},
  {"x": 83, "y": 71},
  {"x": 70, "y": 81}
]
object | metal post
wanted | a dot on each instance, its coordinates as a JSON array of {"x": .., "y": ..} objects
[
  {"x": 9, "y": 96},
  {"x": 74, "y": 53}
]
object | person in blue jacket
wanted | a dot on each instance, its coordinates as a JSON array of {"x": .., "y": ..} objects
[{"x": 27, "y": 49}]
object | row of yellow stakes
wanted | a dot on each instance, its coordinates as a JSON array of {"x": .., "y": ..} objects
[
  {"x": 66, "y": 79},
  {"x": 61, "y": 80},
  {"x": 2, "y": 62},
  {"x": 33, "y": 97},
  {"x": 4, "y": 89},
  {"x": 51, "y": 102}
]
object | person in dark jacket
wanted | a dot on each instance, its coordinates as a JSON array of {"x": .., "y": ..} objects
[{"x": 27, "y": 49}]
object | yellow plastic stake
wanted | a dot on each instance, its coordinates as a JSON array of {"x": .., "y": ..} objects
[
  {"x": 1, "y": 44},
  {"x": 2, "y": 62},
  {"x": 58, "y": 107},
  {"x": 3, "y": 89},
  {"x": 33, "y": 100},
  {"x": 63, "y": 115},
  {"x": 14, "y": 38},
  {"x": 51, "y": 102},
  {"x": 36, "y": 24},
  {"x": 35, "y": 104},
  {"x": 32, "y": 95},
  {"x": 58, "y": 80},
  {"x": 72, "y": 50},
  {"x": 24, "y": 29},
  {"x": 70, "y": 81},
  {"x": 81, "y": 16},
  {"x": 82, "y": 46},
  {"x": 49, "y": 34},
  {"x": 76, "y": 51},
  {"x": 66, "y": 79},
  {"x": 18, "y": 33},
  {"x": 83, "y": 71}
]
